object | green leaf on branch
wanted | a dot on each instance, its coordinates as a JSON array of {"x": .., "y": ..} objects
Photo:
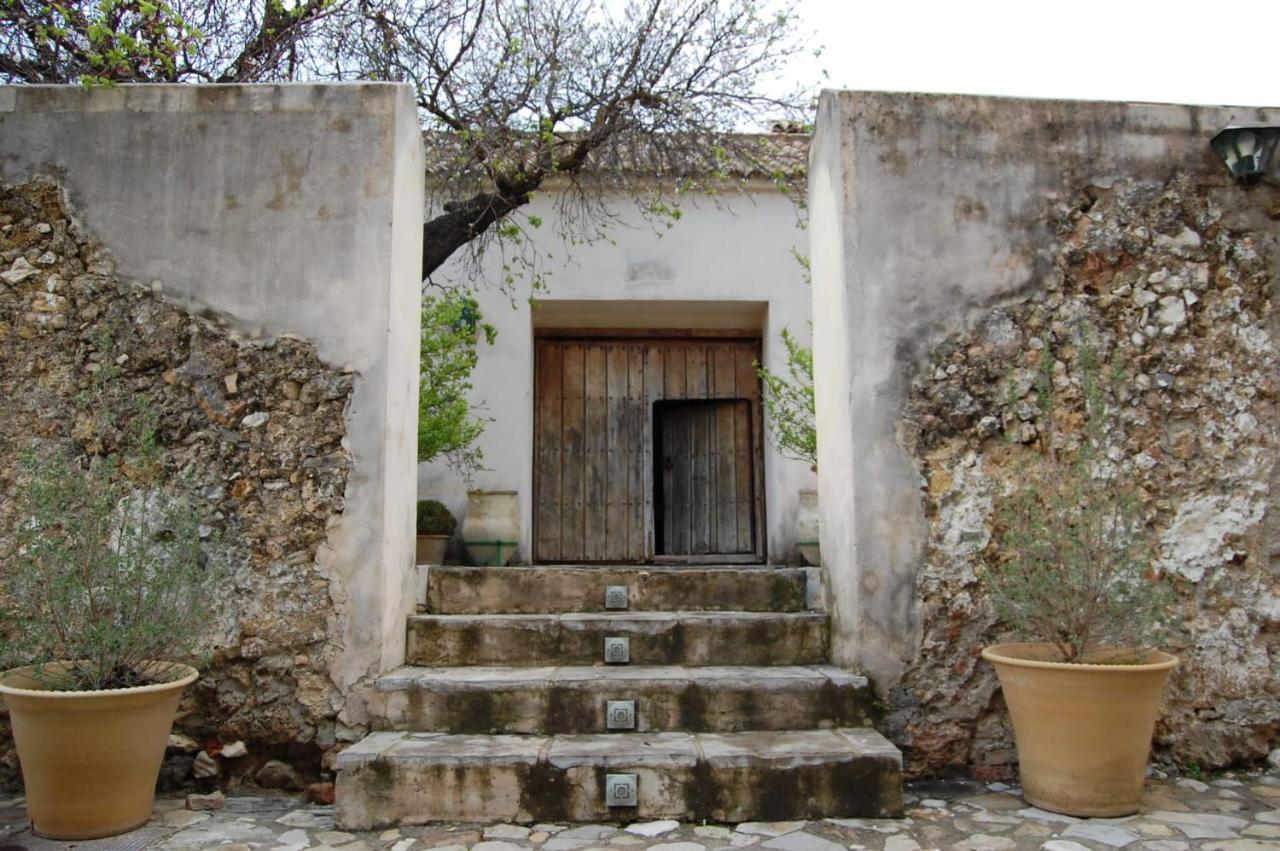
[
  {"x": 789, "y": 403},
  {"x": 448, "y": 424}
]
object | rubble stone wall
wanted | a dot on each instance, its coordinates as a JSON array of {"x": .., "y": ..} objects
[
  {"x": 247, "y": 257},
  {"x": 1016, "y": 224}
]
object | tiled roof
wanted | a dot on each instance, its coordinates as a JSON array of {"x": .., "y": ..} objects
[{"x": 742, "y": 155}]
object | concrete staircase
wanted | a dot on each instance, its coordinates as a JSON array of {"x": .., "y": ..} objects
[{"x": 724, "y": 709}]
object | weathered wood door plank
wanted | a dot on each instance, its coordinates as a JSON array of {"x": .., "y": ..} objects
[
  {"x": 596, "y": 440},
  {"x": 617, "y": 479},
  {"x": 573, "y": 475},
  {"x": 637, "y": 442},
  {"x": 548, "y": 501},
  {"x": 654, "y": 390}
]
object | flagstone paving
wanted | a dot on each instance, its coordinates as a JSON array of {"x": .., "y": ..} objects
[{"x": 1232, "y": 812}]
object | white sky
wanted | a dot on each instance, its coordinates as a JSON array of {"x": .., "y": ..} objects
[{"x": 1216, "y": 52}]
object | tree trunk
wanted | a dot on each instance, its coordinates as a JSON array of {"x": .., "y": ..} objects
[{"x": 461, "y": 222}]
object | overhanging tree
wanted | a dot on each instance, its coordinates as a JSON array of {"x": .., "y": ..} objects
[
  {"x": 157, "y": 41},
  {"x": 642, "y": 98}
]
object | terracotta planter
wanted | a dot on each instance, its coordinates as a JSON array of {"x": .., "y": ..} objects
[
  {"x": 807, "y": 527},
  {"x": 431, "y": 548},
  {"x": 90, "y": 759},
  {"x": 492, "y": 528},
  {"x": 1083, "y": 730}
]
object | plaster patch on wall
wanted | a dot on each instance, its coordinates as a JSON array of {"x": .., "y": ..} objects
[
  {"x": 1205, "y": 533},
  {"x": 650, "y": 272},
  {"x": 963, "y": 508}
]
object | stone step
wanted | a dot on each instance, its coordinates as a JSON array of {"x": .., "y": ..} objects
[
  {"x": 549, "y": 589},
  {"x": 392, "y": 778},
  {"x": 573, "y": 699},
  {"x": 656, "y": 638}
]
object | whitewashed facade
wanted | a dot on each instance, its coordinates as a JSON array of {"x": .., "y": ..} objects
[{"x": 723, "y": 269}]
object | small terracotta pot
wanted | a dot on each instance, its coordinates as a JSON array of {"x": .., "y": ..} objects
[
  {"x": 90, "y": 759},
  {"x": 431, "y": 549},
  {"x": 1083, "y": 731}
]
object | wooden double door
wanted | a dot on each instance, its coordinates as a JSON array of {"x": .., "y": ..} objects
[{"x": 647, "y": 448}]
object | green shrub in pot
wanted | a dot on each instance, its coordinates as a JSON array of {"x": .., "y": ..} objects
[
  {"x": 435, "y": 519},
  {"x": 1074, "y": 574},
  {"x": 435, "y": 526},
  {"x": 105, "y": 591}
]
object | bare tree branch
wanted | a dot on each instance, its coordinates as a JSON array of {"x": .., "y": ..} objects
[
  {"x": 643, "y": 98},
  {"x": 513, "y": 94}
]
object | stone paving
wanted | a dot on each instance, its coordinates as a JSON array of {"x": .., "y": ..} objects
[{"x": 1231, "y": 812}]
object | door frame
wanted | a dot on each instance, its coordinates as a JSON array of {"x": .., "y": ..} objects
[{"x": 755, "y": 401}]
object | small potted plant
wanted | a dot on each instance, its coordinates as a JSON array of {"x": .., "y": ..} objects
[
  {"x": 435, "y": 527},
  {"x": 103, "y": 595},
  {"x": 1074, "y": 573}
]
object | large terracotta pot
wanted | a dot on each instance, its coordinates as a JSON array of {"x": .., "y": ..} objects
[
  {"x": 492, "y": 528},
  {"x": 431, "y": 549},
  {"x": 1083, "y": 730},
  {"x": 807, "y": 527},
  {"x": 90, "y": 759}
]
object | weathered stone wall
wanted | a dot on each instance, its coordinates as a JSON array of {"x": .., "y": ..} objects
[
  {"x": 255, "y": 430},
  {"x": 1179, "y": 303},
  {"x": 256, "y": 252},
  {"x": 953, "y": 239}
]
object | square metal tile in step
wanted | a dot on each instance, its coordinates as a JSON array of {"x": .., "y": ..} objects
[
  {"x": 620, "y": 715},
  {"x": 621, "y": 790},
  {"x": 617, "y": 650},
  {"x": 615, "y": 597}
]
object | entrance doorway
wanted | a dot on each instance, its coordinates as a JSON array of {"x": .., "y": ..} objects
[
  {"x": 647, "y": 448},
  {"x": 703, "y": 486}
]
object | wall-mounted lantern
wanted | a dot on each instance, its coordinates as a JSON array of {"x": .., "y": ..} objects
[{"x": 1247, "y": 151}]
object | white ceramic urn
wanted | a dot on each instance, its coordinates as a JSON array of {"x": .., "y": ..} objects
[
  {"x": 491, "y": 530},
  {"x": 806, "y": 527}
]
